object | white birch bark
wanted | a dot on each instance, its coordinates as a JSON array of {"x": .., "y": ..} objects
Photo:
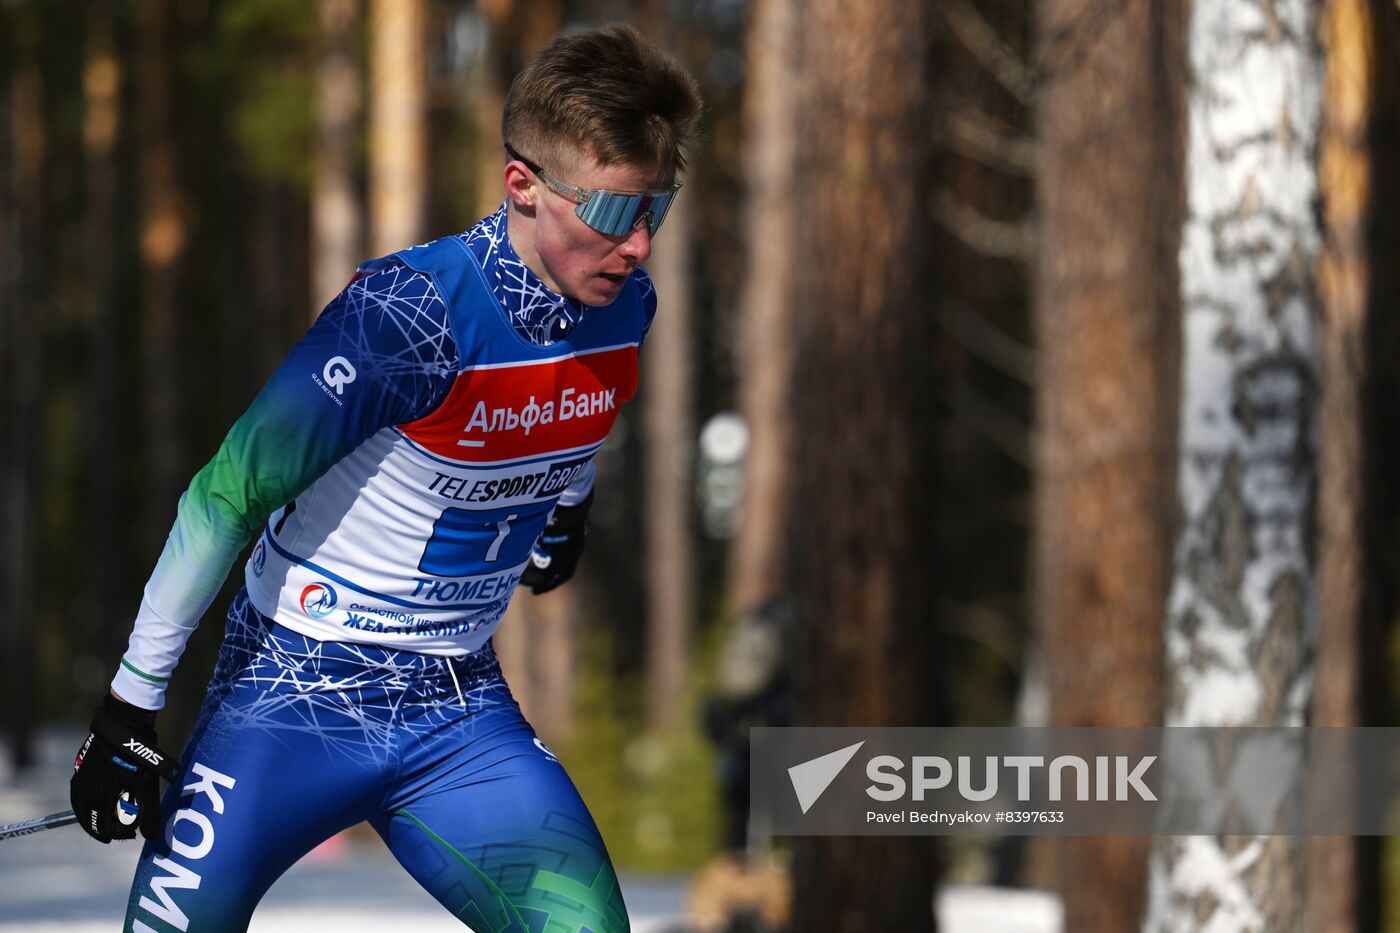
[{"x": 1241, "y": 615}]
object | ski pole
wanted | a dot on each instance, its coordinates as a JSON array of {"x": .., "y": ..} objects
[
  {"x": 38, "y": 824},
  {"x": 126, "y": 813}
]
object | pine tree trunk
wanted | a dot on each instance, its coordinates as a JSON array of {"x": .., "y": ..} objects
[
  {"x": 756, "y": 565},
  {"x": 1107, "y": 319},
  {"x": 516, "y": 30},
  {"x": 862, "y": 573},
  {"x": 164, "y": 240},
  {"x": 335, "y": 206},
  {"x": 105, "y": 620},
  {"x": 1342, "y": 882},
  {"x": 397, "y": 123},
  {"x": 537, "y": 644},
  {"x": 21, "y": 235},
  {"x": 1242, "y": 615},
  {"x": 668, "y": 436}
]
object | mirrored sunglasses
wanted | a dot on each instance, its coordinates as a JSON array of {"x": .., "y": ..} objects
[{"x": 611, "y": 213}]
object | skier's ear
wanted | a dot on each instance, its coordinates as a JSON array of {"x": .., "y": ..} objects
[{"x": 522, "y": 187}]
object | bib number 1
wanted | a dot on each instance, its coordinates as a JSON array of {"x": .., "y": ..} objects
[
  {"x": 469, "y": 541},
  {"x": 502, "y": 529}
]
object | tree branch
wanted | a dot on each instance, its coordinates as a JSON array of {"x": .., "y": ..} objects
[
  {"x": 988, "y": 342},
  {"x": 999, "y": 239},
  {"x": 973, "y": 134},
  {"x": 982, "y": 41},
  {"x": 991, "y": 422}
]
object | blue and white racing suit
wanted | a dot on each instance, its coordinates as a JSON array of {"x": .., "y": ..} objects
[{"x": 397, "y": 470}]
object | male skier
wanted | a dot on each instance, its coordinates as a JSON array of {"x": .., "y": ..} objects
[{"x": 426, "y": 447}]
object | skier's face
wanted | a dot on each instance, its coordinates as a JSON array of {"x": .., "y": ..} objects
[{"x": 567, "y": 254}]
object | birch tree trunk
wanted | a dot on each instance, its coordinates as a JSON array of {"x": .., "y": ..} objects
[
  {"x": 335, "y": 207},
  {"x": 1242, "y": 615},
  {"x": 1107, "y": 323}
]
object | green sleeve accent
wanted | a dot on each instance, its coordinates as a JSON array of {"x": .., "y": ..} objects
[{"x": 142, "y": 674}]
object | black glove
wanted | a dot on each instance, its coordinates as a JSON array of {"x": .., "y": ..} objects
[
  {"x": 119, "y": 760},
  {"x": 556, "y": 553}
]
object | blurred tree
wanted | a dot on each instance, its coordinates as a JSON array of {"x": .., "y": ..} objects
[
  {"x": 540, "y": 655},
  {"x": 764, "y": 370},
  {"x": 21, "y": 353},
  {"x": 863, "y": 449},
  {"x": 985, "y": 367},
  {"x": 243, "y": 108},
  {"x": 991, "y": 671},
  {"x": 398, "y": 148},
  {"x": 164, "y": 237},
  {"x": 257, "y": 152},
  {"x": 515, "y": 31},
  {"x": 668, "y": 436},
  {"x": 1242, "y": 622},
  {"x": 335, "y": 204},
  {"x": 538, "y": 638},
  {"x": 103, "y": 615},
  {"x": 1355, "y": 599},
  {"x": 1108, "y": 325},
  {"x": 751, "y": 685}
]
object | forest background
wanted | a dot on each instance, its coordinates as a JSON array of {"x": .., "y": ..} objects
[{"x": 1018, "y": 362}]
